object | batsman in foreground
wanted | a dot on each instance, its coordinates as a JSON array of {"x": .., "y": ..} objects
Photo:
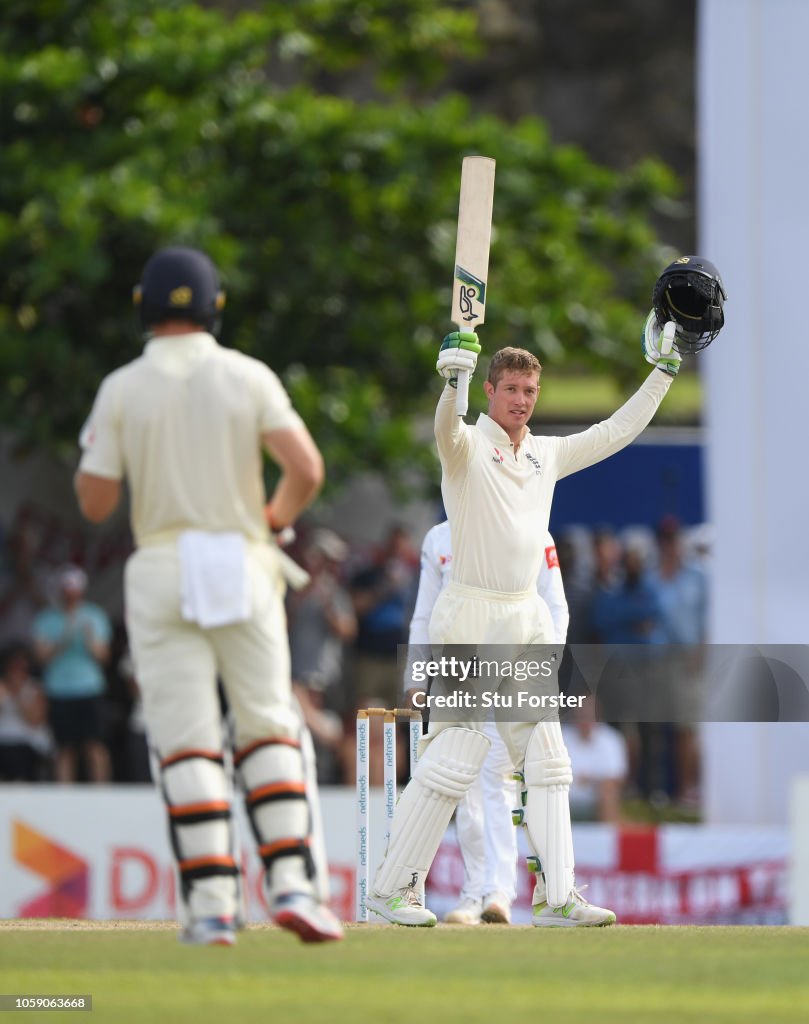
[
  {"x": 497, "y": 484},
  {"x": 185, "y": 425}
]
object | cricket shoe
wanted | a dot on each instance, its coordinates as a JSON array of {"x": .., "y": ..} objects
[
  {"x": 311, "y": 921},
  {"x": 210, "y": 931},
  {"x": 496, "y": 909},
  {"x": 467, "y": 912},
  {"x": 576, "y": 913},
  {"x": 402, "y": 907}
]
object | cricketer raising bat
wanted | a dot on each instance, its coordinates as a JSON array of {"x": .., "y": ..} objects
[{"x": 472, "y": 255}]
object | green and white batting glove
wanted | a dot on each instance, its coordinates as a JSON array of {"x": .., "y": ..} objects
[
  {"x": 658, "y": 345},
  {"x": 459, "y": 351}
]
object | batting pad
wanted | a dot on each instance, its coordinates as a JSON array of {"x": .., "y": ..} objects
[
  {"x": 448, "y": 768},
  {"x": 198, "y": 799},
  {"x": 548, "y": 777},
  {"x": 273, "y": 775}
]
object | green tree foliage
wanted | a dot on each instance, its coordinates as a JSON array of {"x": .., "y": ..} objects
[{"x": 131, "y": 124}]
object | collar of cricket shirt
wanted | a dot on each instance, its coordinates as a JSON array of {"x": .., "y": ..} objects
[
  {"x": 495, "y": 433},
  {"x": 178, "y": 354}
]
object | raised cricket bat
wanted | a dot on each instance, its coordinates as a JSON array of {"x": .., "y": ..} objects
[{"x": 472, "y": 255}]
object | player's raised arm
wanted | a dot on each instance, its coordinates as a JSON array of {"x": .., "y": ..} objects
[
  {"x": 459, "y": 351},
  {"x": 687, "y": 315},
  {"x": 603, "y": 439}
]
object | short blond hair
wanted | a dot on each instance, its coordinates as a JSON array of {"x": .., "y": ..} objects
[{"x": 517, "y": 360}]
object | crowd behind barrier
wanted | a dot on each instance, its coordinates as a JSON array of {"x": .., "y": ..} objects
[{"x": 69, "y": 706}]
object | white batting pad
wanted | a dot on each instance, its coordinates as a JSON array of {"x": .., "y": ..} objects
[
  {"x": 447, "y": 769},
  {"x": 198, "y": 800},
  {"x": 548, "y": 777},
  {"x": 200, "y": 784},
  {"x": 276, "y": 796}
]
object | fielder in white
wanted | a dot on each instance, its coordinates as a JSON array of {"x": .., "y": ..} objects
[
  {"x": 186, "y": 425},
  {"x": 486, "y": 835},
  {"x": 497, "y": 484}
]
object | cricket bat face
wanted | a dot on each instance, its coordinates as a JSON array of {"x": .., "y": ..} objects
[{"x": 472, "y": 246}]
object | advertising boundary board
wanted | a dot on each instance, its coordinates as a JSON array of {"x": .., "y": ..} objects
[{"x": 103, "y": 853}]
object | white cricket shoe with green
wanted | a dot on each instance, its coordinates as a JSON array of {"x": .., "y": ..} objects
[
  {"x": 576, "y": 913},
  {"x": 402, "y": 907}
]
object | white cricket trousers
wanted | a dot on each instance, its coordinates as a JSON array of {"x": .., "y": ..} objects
[
  {"x": 467, "y": 616},
  {"x": 177, "y": 662},
  {"x": 486, "y": 835}
]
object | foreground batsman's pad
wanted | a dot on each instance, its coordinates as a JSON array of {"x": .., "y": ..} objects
[
  {"x": 448, "y": 768},
  {"x": 272, "y": 774},
  {"x": 197, "y": 794},
  {"x": 548, "y": 777}
]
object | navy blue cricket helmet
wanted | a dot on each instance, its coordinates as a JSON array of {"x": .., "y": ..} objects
[
  {"x": 691, "y": 293},
  {"x": 179, "y": 283}
]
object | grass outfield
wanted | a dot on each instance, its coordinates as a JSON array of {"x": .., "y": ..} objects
[{"x": 447, "y": 974}]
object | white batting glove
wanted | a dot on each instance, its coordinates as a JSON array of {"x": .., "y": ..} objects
[
  {"x": 659, "y": 348},
  {"x": 459, "y": 351}
]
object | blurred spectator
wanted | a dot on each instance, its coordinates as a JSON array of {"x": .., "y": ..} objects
[
  {"x": 628, "y": 610},
  {"x": 598, "y": 754},
  {"x": 578, "y": 582},
  {"x": 383, "y": 594},
  {"x": 698, "y": 545},
  {"x": 607, "y": 554},
  {"x": 682, "y": 590},
  {"x": 578, "y": 588},
  {"x": 72, "y": 643},
  {"x": 321, "y": 623},
  {"x": 25, "y": 740},
  {"x": 606, "y": 576},
  {"x": 22, "y": 586},
  {"x": 626, "y": 616}
]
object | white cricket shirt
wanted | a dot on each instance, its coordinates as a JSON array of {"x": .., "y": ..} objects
[
  {"x": 498, "y": 501},
  {"x": 436, "y": 572},
  {"x": 183, "y": 424}
]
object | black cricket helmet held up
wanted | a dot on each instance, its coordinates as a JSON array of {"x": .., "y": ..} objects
[
  {"x": 690, "y": 292},
  {"x": 179, "y": 283}
]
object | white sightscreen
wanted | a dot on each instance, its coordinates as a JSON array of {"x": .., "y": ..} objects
[{"x": 753, "y": 146}]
